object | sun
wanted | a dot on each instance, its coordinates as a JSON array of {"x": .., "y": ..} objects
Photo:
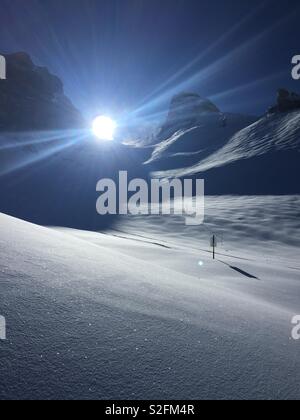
[{"x": 104, "y": 128}]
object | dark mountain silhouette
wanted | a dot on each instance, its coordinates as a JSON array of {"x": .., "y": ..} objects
[
  {"x": 33, "y": 99},
  {"x": 286, "y": 102}
]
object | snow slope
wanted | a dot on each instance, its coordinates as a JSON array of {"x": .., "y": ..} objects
[
  {"x": 272, "y": 133},
  {"x": 188, "y": 146},
  {"x": 129, "y": 314},
  {"x": 263, "y": 158}
]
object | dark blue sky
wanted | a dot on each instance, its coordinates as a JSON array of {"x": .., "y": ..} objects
[{"x": 115, "y": 56}]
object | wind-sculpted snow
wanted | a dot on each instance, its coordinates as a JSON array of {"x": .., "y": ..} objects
[
  {"x": 197, "y": 142},
  {"x": 132, "y": 314},
  {"x": 274, "y": 133}
]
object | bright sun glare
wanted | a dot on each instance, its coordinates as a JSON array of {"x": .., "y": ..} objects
[{"x": 104, "y": 128}]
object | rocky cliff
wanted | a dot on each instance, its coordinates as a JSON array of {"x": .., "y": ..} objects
[{"x": 33, "y": 99}]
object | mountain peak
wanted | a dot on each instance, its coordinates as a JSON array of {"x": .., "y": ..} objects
[
  {"x": 191, "y": 103},
  {"x": 186, "y": 111}
]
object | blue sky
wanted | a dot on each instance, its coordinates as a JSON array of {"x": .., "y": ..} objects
[{"x": 129, "y": 57}]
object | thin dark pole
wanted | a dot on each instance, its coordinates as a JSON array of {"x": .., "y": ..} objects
[{"x": 214, "y": 246}]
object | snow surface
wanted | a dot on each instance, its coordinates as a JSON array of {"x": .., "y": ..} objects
[{"x": 143, "y": 312}]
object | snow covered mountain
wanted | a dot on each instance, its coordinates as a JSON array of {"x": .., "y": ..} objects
[
  {"x": 194, "y": 129},
  {"x": 260, "y": 158},
  {"x": 50, "y": 165}
]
